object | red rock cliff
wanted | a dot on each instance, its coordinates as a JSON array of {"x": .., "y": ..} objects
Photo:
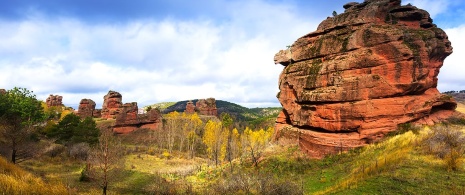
[{"x": 360, "y": 74}]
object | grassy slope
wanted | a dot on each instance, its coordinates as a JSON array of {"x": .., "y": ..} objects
[
  {"x": 395, "y": 166},
  {"x": 14, "y": 180}
]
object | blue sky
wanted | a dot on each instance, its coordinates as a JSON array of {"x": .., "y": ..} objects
[{"x": 155, "y": 51}]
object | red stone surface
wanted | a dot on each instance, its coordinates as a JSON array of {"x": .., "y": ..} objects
[
  {"x": 54, "y": 100},
  {"x": 190, "y": 108},
  {"x": 86, "y": 108},
  {"x": 207, "y": 107},
  {"x": 360, "y": 74},
  {"x": 112, "y": 104}
]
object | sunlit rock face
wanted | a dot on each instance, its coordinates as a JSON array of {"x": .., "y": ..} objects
[{"x": 359, "y": 75}]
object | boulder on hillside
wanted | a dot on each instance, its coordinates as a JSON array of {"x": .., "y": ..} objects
[{"x": 359, "y": 75}]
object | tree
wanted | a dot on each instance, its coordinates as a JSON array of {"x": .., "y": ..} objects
[
  {"x": 193, "y": 125},
  {"x": 72, "y": 130},
  {"x": 105, "y": 159},
  {"x": 171, "y": 126},
  {"x": 213, "y": 139},
  {"x": 20, "y": 115},
  {"x": 255, "y": 142}
]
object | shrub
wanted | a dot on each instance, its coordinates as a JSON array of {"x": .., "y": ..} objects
[
  {"x": 79, "y": 151},
  {"x": 448, "y": 143},
  {"x": 54, "y": 150}
]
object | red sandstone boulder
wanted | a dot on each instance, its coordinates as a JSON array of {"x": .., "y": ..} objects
[
  {"x": 190, "y": 108},
  {"x": 207, "y": 106},
  {"x": 112, "y": 104},
  {"x": 86, "y": 108},
  {"x": 128, "y": 115},
  {"x": 360, "y": 74},
  {"x": 2, "y": 91},
  {"x": 128, "y": 120},
  {"x": 54, "y": 100}
]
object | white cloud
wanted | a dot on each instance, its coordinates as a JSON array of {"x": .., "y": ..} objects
[
  {"x": 150, "y": 60},
  {"x": 451, "y": 76}
]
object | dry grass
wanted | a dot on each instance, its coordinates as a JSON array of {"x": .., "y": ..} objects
[
  {"x": 14, "y": 180},
  {"x": 460, "y": 107}
]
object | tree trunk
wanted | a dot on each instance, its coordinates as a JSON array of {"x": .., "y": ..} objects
[
  {"x": 13, "y": 156},
  {"x": 104, "y": 192}
]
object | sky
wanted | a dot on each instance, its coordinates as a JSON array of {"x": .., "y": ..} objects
[{"x": 157, "y": 51}]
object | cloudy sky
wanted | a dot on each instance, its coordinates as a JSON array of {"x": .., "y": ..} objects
[{"x": 155, "y": 51}]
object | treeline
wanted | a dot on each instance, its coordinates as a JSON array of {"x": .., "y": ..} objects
[
  {"x": 451, "y": 92},
  {"x": 211, "y": 137}
]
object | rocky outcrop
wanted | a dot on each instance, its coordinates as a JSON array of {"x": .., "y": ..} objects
[
  {"x": 112, "y": 104},
  {"x": 54, "y": 100},
  {"x": 206, "y": 106},
  {"x": 86, "y": 108},
  {"x": 128, "y": 114},
  {"x": 2, "y": 91},
  {"x": 128, "y": 120},
  {"x": 190, "y": 108},
  {"x": 360, "y": 74}
]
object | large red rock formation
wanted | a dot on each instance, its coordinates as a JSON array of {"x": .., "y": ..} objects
[
  {"x": 190, "y": 108},
  {"x": 54, "y": 100},
  {"x": 2, "y": 91},
  {"x": 112, "y": 104},
  {"x": 86, "y": 108},
  {"x": 206, "y": 106},
  {"x": 360, "y": 74},
  {"x": 128, "y": 120}
]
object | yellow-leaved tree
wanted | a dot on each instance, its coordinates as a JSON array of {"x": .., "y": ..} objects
[
  {"x": 193, "y": 130},
  {"x": 255, "y": 142},
  {"x": 213, "y": 139}
]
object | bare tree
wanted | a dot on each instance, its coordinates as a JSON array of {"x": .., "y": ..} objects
[{"x": 104, "y": 160}]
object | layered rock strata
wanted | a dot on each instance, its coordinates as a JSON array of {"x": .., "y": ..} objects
[
  {"x": 359, "y": 75},
  {"x": 112, "y": 104},
  {"x": 128, "y": 120}
]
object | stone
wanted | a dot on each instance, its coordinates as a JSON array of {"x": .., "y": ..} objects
[
  {"x": 360, "y": 74},
  {"x": 129, "y": 120},
  {"x": 86, "y": 108},
  {"x": 2, "y": 91},
  {"x": 207, "y": 107},
  {"x": 190, "y": 108},
  {"x": 54, "y": 100},
  {"x": 112, "y": 104},
  {"x": 128, "y": 115}
]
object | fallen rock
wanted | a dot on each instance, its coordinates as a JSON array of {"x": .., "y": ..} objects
[{"x": 360, "y": 74}]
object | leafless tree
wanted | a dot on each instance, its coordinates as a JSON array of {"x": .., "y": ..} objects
[{"x": 104, "y": 160}]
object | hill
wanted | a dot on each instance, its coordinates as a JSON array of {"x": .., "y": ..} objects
[{"x": 247, "y": 116}]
